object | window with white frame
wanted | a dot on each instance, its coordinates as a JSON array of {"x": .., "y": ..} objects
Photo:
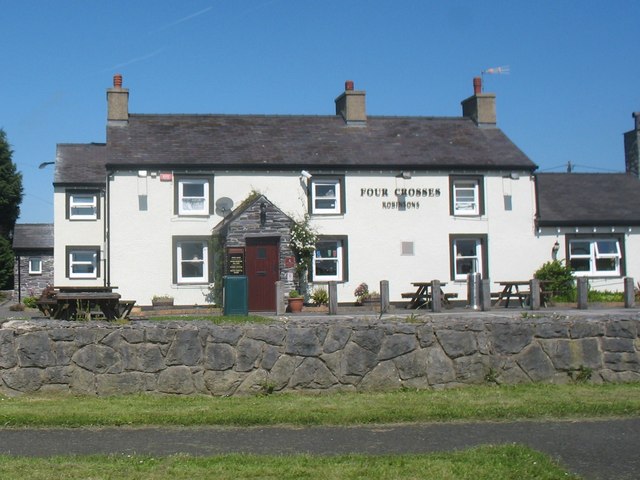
[
  {"x": 82, "y": 205},
  {"x": 35, "y": 265},
  {"x": 468, "y": 256},
  {"x": 193, "y": 196},
  {"x": 192, "y": 261},
  {"x": 326, "y": 195},
  {"x": 329, "y": 261},
  {"x": 595, "y": 256},
  {"x": 466, "y": 196},
  {"x": 83, "y": 262}
]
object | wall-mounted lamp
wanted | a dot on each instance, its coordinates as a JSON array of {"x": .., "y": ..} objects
[
  {"x": 44, "y": 164},
  {"x": 554, "y": 250},
  {"x": 305, "y": 174},
  {"x": 263, "y": 214},
  {"x": 406, "y": 175}
]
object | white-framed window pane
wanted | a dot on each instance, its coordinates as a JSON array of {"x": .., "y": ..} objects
[
  {"x": 595, "y": 256},
  {"x": 192, "y": 262},
  {"x": 83, "y": 264},
  {"x": 35, "y": 265},
  {"x": 325, "y": 196},
  {"x": 83, "y": 206},
  {"x": 607, "y": 248},
  {"x": 327, "y": 262},
  {"x": 468, "y": 257},
  {"x": 465, "y": 197},
  {"x": 194, "y": 197}
]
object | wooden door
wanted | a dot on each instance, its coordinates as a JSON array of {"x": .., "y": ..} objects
[{"x": 263, "y": 272}]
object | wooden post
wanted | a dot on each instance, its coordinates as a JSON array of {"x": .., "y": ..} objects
[
  {"x": 333, "y": 298},
  {"x": 485, "y": 294},
  {"x": 534, "y": 294},
  {"x": 384, "y": 296},
  {"x": 629, "y": 293},
  {"x": 280, "y": 303},
  {"x": 436, "y": 299},
  {"x": 583, "y": 289}
]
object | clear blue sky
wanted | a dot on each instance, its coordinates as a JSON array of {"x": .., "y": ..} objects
[{"x": 574, "y": 68}]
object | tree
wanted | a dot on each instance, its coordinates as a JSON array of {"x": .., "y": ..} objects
[{"x": 10, "y": 199}]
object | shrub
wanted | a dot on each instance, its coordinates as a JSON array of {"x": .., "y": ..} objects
[
  {"x": 558, "y": 277},
  {"x": 30, "y": 302},
  {"x": 320, "y": 296},
  {"x": 17, "y": 307},
  {"x": 361, "y": 292}
]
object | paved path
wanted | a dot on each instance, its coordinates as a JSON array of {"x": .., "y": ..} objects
[{"x": 593, "y": 449}]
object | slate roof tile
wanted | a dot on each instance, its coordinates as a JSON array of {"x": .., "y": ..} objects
[{"x": 585, "y": 199}]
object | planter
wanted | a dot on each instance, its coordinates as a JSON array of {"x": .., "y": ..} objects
[
  {"x": 295, "y": 304},
  {"x": 162, "y": 303}
]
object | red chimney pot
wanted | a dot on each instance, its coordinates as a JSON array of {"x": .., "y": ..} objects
[
  {"x": 117, "y": 80},
  {"x": 477, "y": 85},
  {"x": 348, "y": 85}
]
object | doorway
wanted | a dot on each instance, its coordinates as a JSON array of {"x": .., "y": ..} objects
[{"x": 263, "y": 272}]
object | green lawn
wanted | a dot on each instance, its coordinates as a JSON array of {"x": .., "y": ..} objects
[
  {"x": 533, "y": 401},
  {"x": 486, "y": 462}
]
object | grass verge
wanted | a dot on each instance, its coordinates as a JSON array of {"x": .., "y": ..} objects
[
  {"x": 479, "y": 403},
  {"x": 495, "y": 462}
]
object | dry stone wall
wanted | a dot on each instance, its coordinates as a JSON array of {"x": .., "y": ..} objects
[{"x": 326, "y": 354}]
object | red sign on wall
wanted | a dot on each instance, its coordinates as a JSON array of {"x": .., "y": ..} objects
[{"x": 289, "y": 262}]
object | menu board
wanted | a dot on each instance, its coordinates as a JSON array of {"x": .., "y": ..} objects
[{"x": 235, "y": 261}]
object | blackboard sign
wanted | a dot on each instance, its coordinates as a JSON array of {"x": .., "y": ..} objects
[{"x": 235, "y": 261}]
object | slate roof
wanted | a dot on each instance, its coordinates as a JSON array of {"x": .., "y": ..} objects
[
  {"x": 33, "y": 236},
  {"x": 588, "y": 199},
  {"x": 80, "y": 164},
  {"x": 268, "y": 141}
]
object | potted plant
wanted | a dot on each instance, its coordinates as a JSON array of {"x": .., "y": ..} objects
[
  {"x": 162, "y": 301},
  {"x": 295, "y": 301},
  {"x": 361, "y": 293}
]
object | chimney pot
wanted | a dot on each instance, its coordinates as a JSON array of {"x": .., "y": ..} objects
[
  {"x": 348, "y": 85},
  {"x": 477, "y": 85},
  {"x": 117, "y": 80}
]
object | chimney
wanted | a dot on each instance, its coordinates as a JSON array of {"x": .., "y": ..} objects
[
  {"x": 117, "y": 103},
  {"x": 351, "y": 105},
  {"x": 632, "y": 147},
  {"x": 481, "y": 107}
]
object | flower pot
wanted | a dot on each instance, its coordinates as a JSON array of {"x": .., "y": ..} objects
[{"x": 295, "y": 304}]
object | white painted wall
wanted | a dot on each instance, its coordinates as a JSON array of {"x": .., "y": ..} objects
[
  {"x": 141, "y": 254},
  {"x": 75, "y": 233}
]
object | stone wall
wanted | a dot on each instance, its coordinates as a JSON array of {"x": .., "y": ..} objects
[
  {"x": 31, "y": 285},
  {"x": 324, "y": 354}
]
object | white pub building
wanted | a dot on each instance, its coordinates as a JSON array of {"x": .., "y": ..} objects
[{"x": 402, "y": 199}]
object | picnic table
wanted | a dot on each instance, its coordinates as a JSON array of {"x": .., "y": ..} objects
[
  {"x": 511, "y": 290},
  {"x": 72, "y": 303},
  {"x": 422, "y": 295}
]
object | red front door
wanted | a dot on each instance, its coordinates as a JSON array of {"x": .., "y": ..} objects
[{"x": 262, "y": 273}]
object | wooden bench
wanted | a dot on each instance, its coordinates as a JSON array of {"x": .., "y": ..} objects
[{"x": 125, "y": 307}]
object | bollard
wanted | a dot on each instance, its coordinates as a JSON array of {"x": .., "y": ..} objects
[
  {"x": 473, "y": 291},
  {"x": 534, "y": 294},
  {"x": 280, "y": 303},
  {"x": 384, "y": 296},
  {"x": 629, "y": 293},
  {"x": 485, "y": 295},
  {"x": 436, "y": 296},
  {"x": 333, "y": 298},
  {"x": 583, "y": 289}
]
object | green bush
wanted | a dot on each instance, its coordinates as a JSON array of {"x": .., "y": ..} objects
[
  {"x": 30, "y": 302},
  {"x": 557, "y": 278},
  {"x": 320, "y": 296}
]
